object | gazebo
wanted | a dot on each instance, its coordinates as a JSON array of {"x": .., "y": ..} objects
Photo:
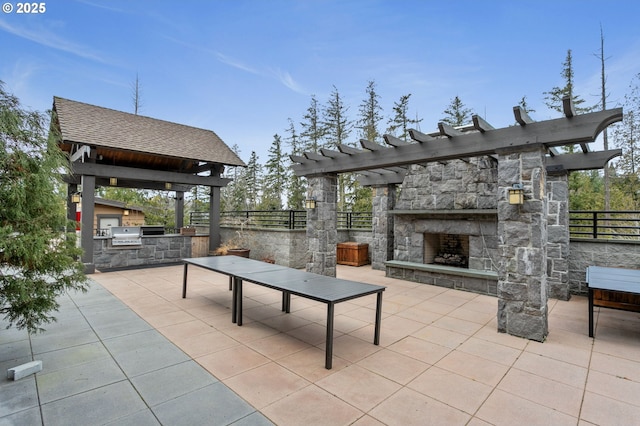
[
  {"x": 114, "y": 148},
  {"x": 501, "y": 195}
]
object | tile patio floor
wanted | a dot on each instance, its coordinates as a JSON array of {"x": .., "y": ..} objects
[{"x": 147, "y": 356}]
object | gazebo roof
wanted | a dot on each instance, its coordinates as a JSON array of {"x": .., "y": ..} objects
[{"x": 135, "y": 139}]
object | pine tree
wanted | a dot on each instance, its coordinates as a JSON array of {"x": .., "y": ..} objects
[
  {"x": 252, "y": 179},
  {"x": 553, "y": 98},
  {"x": 296, "y": 187},
  {"x": 275, "y": 178},
  {"x": 232, "y": 196},
  {"x": 313, "y": 130},
  {"x": 457, "y": 114},
  {"x": 38, "y": 259},
  {"x": 370, "y": 114},
  {"x": 400, "y": 123},
  {"x": 338, "y": 128},
  {"x": 336, "y": 123},
  {"x": 626, "y": 135}
]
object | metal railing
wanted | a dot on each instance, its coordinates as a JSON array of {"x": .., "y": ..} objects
[
  {"x": 280, "y": 219},
  {"x": 602, "y": 224}
]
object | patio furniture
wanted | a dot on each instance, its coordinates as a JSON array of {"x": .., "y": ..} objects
[
  {"x": 616, "y": 288},
  {"x": 289, "y": 281}
]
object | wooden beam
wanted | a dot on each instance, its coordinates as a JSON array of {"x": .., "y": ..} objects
[
  {"x": 371, "y": 146},
  {"x": 346, "y": 149},
  {"x": 480, "y": 124},
  {"x": 369, "y": 179},
  {"x": 567, "y": 107},
  {"x": 550, "y": 133},
  {"x": 136, "y": 174},
  {"x": 448, "y": 131},
  {"x": 393, "y": 141},
  {"x": 420, "y": 137},
  {"x": 581, "y": 161},
  {"x": 331, "y": 153},
  {"x": 313, "y": 156},
  {"x": 298, "y": 158},
  {"x": 521, "y": 116}
]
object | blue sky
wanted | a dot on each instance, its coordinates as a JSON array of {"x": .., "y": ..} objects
[{"x": 243, "y": 68}]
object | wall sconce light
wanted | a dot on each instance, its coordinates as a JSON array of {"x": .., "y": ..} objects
[
  {"x": 113, "y": 181},
  {"x": 516, "y": 194},
  {"x": 167, "y": 185},
  {"x": 125, "y": 212},
  {"x": 310, "y": 203},
  {"x": 75, "y": 198}
]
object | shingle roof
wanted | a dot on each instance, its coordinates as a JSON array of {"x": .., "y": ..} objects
[{"x": 103, "y": 127}]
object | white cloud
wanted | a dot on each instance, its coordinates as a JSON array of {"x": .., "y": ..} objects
[{"x": 50, "y": 39}]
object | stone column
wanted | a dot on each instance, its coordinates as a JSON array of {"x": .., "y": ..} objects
[
  {"x": 384, "y": 198},
  {"x": 322, "y": 233},
  {"x": 522, "y": 230},
  {"x": 558, "y": 236}
]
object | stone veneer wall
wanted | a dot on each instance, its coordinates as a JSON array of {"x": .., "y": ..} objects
[
  {"x": 155, "y": 250},
  {"x": 285, "y": 247},
  {"x": 584, "y": 253},
  {"x": 456, "y": 184}
]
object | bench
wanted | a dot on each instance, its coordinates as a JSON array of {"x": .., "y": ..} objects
[
  {"x": 289, "y": 281},
  {"x": 616, "y": 288}
]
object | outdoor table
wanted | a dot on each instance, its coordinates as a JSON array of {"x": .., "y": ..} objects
[
  {"x": 328, "y": 290},
  {"x": 612, "y": 279}
]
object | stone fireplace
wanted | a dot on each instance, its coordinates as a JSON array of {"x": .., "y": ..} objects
[
  {"x": 446, "y": 226},
  {"x": 446, "y": 249}
]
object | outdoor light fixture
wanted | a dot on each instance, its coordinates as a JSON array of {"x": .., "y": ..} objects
[
  {"x": 113, "y": 181},
  {"x": 516, "y": 194},
  {"x": 75, "y": 198},
  {"x": 125, "y": 212},
  {"x": 167, "y": 185},
  {"x": 310, "y": 203}
]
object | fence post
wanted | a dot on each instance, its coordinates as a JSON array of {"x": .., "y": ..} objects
[
  {"x": 292, "y": 217},
  {"x": 595, "y": 225}
]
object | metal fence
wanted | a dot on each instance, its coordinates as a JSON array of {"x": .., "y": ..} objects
[
  {"x": 602, "y": 224},
  {"x": 280, "y": 219}
]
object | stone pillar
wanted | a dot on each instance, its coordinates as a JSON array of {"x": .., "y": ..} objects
[
  {"x": 558, "y": 236},
  {"x": 322, "y": 233},
  {"x": 384, "y": 198},
  {"x": 522, "y": 230}
]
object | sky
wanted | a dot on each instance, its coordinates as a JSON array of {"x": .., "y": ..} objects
[{"x": 243, "y": 68}]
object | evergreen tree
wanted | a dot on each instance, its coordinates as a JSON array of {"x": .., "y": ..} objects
[
  {"x": 336, "y": 123},
  {"x": 553, "y": 98},
  {"x": 296, "y": 186},
  {"x": 275, "y": 178},
  {"x": 313, "y": 130},
  {"x": 232, "y": 196},
  {"x": 38, "y": 259},
  {"x": 400, "y": 123},
  {"x": 626, "y": 135},
  {"x": 338, "y": 128},
  {"x": 370, "y": 114},
  {"x": 252, "y": 179},
  {"x": 457, "y": 114}
]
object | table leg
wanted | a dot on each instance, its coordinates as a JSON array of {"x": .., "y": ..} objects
[
  {"x": 184, "y": 281},
  {"x": 590, "y": 312},
  {"x": 234, "y": 299},
  {"x": 328, "y": 359},
  {"x": 376, "y": 335},
  {"x": 238, "y": 285}
]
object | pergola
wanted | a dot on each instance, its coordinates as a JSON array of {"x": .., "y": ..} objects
[
  {"x": 526, "y": 154},
  {"x": 113, "y": 148}
]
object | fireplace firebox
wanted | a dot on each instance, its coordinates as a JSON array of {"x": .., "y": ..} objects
[{"x": 446, "y": 249}]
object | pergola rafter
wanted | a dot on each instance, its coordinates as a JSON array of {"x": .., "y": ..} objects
[{"x": 479, "y": 139}]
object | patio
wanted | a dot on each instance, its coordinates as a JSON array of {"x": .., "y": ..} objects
[{"x": 147, "y": 356}]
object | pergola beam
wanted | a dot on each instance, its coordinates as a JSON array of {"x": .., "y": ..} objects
[
  {"x": 136, "y": 174},
  {"x": 581, "y": 128},
  {"x": 581, "y": 161}
]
